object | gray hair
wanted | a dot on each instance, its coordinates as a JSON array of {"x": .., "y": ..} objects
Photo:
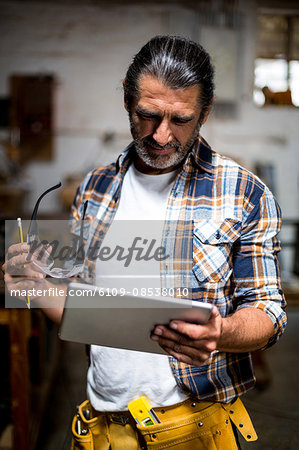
[{"x": 177, "y": 62}]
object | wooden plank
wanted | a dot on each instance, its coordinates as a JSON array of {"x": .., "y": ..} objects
[
  {"x": 19, "y": 329},
  {"x": 4, "y": 317}
]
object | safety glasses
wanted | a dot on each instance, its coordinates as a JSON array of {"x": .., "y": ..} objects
[{"x": 40, "y": 252}]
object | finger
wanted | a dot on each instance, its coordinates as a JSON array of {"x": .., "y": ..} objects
[
  {"x": 29, "y": 274},
  {"x": 18, "y": 260},
  {"x": 18, "y": 265},
  {"x": 25, "y": 283},
  {"x": 49, "y": 249},
  {"x": 166, "y": 332},
  {"x": 194, "y": 360},
  {"x": 175, "y": 334},
  {"x": 197, "y": 331},
  {"x": 10, "y": 279},
  {"x": 41, "y": 255},
  {"x": 16, "y": 249},
  {"x": 194, "y": 349},
  {"x": 193, "y": 331},
  {"x": 21, "y": 288},
  {"x": 29, "y": 271},
  {"x": 177, "y": 342}
]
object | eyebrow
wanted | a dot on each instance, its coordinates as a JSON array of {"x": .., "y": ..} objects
[{"x": 154, "y": 115}]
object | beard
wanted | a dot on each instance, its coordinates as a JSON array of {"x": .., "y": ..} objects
[{"x": 161, "y": 161}]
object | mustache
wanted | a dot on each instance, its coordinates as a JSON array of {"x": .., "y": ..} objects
[{"x": 150, "y": 141}]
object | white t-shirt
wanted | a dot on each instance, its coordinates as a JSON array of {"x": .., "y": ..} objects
[{"x": 116, "y": 377}]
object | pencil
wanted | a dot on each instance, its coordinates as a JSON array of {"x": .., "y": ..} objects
[{"x": 19, "y": 222}]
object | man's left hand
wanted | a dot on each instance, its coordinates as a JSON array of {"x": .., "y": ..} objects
[{"x": 187, "y": 342}]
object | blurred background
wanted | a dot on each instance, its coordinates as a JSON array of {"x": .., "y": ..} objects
[{"x": 61, "y": 114}]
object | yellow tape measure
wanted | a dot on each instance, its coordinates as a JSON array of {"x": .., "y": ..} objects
[{"x": 142, "y": 412}]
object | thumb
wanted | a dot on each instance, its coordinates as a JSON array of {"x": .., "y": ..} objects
[{"x": 214, "y": 314}]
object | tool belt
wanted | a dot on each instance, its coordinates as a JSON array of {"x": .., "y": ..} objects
[{"x": 189, "y": 425}]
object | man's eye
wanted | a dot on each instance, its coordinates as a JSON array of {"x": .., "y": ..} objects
[
  {"x": 181, "y": 122},
  {"x": 145, "y": 117}
]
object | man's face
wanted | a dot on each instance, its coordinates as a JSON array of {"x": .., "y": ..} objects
[{"x": 164, "y": 125}]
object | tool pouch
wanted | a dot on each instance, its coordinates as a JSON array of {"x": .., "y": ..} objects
[
  {"x": 92, "y": 433},
  {"x": 209, "y": 428}
]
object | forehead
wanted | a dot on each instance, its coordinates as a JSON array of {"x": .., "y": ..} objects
[{"x": 154, "y": 95}]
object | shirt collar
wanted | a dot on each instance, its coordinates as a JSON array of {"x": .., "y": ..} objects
[
  {"x": 124, "y": 159},
  {"x": 203, "y": 155}
]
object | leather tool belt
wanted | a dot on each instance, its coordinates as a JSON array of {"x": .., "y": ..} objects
[{"x": 189, "y": 425}]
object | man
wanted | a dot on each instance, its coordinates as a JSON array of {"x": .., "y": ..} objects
[{"x": 170, "y": 173}]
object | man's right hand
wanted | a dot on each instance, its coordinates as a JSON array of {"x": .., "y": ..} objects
[{"x": 20, "y": 274}]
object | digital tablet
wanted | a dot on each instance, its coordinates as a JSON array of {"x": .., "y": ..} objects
[{"x": 106, "y": 317}]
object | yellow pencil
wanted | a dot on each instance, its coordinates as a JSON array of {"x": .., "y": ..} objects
[{"x": 19, "y": 222}]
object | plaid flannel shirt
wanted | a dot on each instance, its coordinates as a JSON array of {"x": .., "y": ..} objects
[{"x": 235, "y": 221}]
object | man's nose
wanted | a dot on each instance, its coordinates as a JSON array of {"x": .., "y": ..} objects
[{"x": 163, "y": 133}]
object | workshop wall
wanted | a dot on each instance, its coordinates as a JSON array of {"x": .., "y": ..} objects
[{"x": 88, "y": 47}]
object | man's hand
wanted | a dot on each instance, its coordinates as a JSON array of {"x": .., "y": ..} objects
[
  {"x": 21, "y": 274},
  {"x": 246, "y": 330},
  {"x": 190, "y": 343}
]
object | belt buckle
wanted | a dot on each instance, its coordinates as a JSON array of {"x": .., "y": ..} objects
[{"x": 121, "y": 419}]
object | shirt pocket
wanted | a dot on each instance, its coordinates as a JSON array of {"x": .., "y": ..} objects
[{"x": 212, "y": 249}]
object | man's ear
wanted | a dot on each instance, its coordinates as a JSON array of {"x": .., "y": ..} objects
[
  {"x": 207, "y": 112},
  {"x": 206, "y": 116},
  {"x": 125, "y": 99}
]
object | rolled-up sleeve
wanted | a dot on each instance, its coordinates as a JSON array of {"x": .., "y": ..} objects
[{"x": 256, "y": 269}]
